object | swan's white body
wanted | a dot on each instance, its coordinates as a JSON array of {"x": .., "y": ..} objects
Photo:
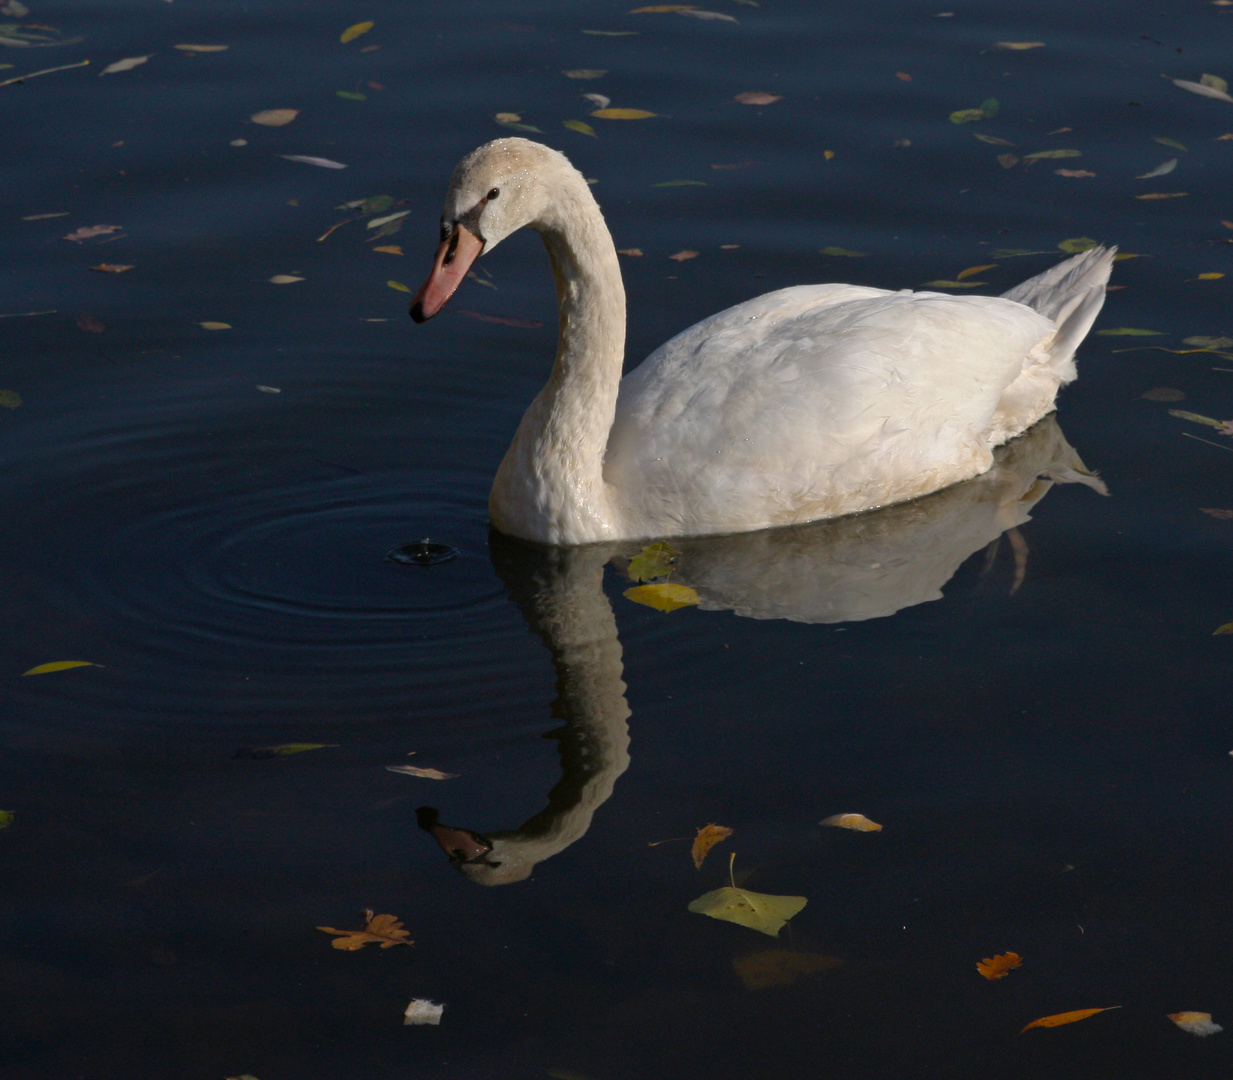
[{"x": 806, "y": 403}]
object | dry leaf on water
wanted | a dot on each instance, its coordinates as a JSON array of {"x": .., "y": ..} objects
[
  {"x": 423, "y": 1011},
  {"x": 202, "y": 48},
  {"x": 274, "y": 117},
  {"x": 352, "y": 32},
  {"x": 852, "y": 821},
  {"x": 1058, "y": 1019},
  {"x": 1018, "y": 46},
  {"x": 654, "y": 560},
  {"x": 426, "y": 774},
  {"x": 683, "y": 256},
  {"x": 6, "y": 818},
  {"x": 758, "y": 911},
  {"x": 998, "y": 967},
  {"x": 111, "y": 268},
  {"x": 209, "y": 325},
  {"x": 758, "y": 97},
  {"x": 60, "y": 665},
  {"x": 1197, "y": 1023},
  {"x": 308, "y": 159},
  {"x": 708, "y": 836},
  {"x": 127, "y": 64},
  {"x": 780, "y": 967},
  {"x": 623, "y": 114},
  {"x": 383, "y": 930},
  {"x": 88, "y": 232},
  {"x": 663, "y": 596},
  {"x": 284, "y": 279},
  {"x": 10, "y": 399}
]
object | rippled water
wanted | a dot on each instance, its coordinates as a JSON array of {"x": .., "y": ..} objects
[{"x": 1050, "y": 762}]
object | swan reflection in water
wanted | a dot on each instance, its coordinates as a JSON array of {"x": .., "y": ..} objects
[{"x": 847, "y": 569}]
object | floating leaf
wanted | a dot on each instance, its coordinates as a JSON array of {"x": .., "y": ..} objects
[
  {"x": 585, "y": 73},
  {"x": 1163, "y": 169},
  {"x": 967, "y": 116},
  {"x": 60, "y": 665},
  {"x": 1008, "y": 161},
  {"x": 425, "y": 774},
  {"x": 598, "y": 100},
  {"x": 1197, "y": 418},
  {"x": 758, "y": 911},
  {"x": 1073, "y": 172},
  {"x": 683, "y": 256},
  {"x": 1202, "y": 88},
  {"x": 990, "y": 107},
  {"x": 88, "y": 232},
  {"x": 856, "y": 822},
  {"x": 1197, "y": 1023},
  {"x": 351, "y": 95},
  {"x": 1218, "y": 513},
  {"x": 944, "y": 284},
  {"x": 513, "y": 120},
  {"x": 320, "y": 162},
  {"x": 1171, "y": 142},
  {"x": 663, "y": 596},
  {"x": 708, "y": 836},
  {"x": 247, "y": 753},
  {"x": 1058, "y": 1019},
  {"x": 757, "y": 97},
  {"x": 6, "y": 818},
  {"x": 974, "y": 270},
  {"x": 581, "y": 126},
  {"x": 1209, "y": 342},
  {"x": 623, "y": 114},
  {"x": 423, "y": 1011},
  {"x": 352, "y": 32},
  {"x": 284, "y": 279},
  {"x": 203, "y": 48},
  {"x": 1018, "y": 45},
  {"x": 1212, "y": 275},
  {"x": 843, "y": 253},
  {"x": 903, "y": 76},
  {"x": 399, "y": 286},
  {"x": 1077, "y": 244},
  {"x": 1163, "y": 393},
  {"x": 992, "y": 140},
  {"x": 654, "y": 560},
  {"x": 998, "y": 967},
  {"x": 214, "y": 325},
  {"x": 389, "y": 249},
  {"x": 9, "y": 399},
  {"x": 780, "y": 967},
  {"x": 268, "y": 389},
  {"x": 383, "y": 930},
  {"x": 694, "y": 13},
  {"x": 127, "y": 64},
  {"x": 633, "y": 253},
  {"x": 274, "y": 117},
  {"x": 1227, "y": 628},
  {"x": 1042, "y": 155},
  {"x": 1128, "y": 331},
  {"x": 112, "y": 268},
  {"x": 377, "y": 222}
]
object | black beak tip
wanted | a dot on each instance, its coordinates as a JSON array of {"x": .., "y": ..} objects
[{"x": 417, "y": 312}]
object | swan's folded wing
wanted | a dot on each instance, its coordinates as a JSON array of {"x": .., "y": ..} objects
[{"x": 815, "y": 401}]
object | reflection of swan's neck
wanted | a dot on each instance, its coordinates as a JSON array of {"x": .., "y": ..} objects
[
  {"x": 550, "y": 482},
  {"x": 569, "y": 610}
]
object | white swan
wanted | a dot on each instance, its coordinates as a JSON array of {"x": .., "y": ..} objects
[{"x": 806, "y": 403}]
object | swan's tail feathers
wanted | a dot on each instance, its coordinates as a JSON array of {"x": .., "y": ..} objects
[{"x": 1071, "y": 294}]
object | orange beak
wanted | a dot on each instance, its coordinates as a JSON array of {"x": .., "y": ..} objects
[{"x": 454, "y": 259}]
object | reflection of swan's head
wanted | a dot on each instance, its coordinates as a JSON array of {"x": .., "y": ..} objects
[{"x": 496, "y": 190}]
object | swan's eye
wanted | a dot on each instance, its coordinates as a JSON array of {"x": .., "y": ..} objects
[{"x": 493, "y": 194}]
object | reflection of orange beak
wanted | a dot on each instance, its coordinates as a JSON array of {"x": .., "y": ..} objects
[{"x": 454, "y": 259}]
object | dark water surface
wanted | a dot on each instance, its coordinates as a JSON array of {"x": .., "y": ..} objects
[{"x": 1051, "y": 764}]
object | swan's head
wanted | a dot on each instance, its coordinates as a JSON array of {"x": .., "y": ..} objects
[{"x": 495, "y": 190}]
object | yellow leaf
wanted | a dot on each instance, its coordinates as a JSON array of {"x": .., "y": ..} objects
[
  {"x": 6, "y": 818},
  {"x": 662, "y": 596},
  {"x": 1077, "y": 244},
  {"x": 1227, "y": 628},
  {"x": 580, "y": 126},
  {"x": 203, "y": 48},
  {"x": 654, "y": 560},
  {"x": 623, "y": 114},
  {"x": 852, "y": 821},
  {"x": 215, "y": 325},
  {"x": 1197, "y": 1023},
  {"x": 352, "y": 32},
  {"x": 1018, "y": 45},
  {"x": 398, "y": 285},
  {"x": 274, "y": 117},
  {"x": 708, "y": 836},
  {"x": 60, "y": 665},
  {"x": 828, "y": 154},
  {"x": 780, "y": 967},
  {"x": 759, "y": 911},
  {"x": 1164, "y": 195},
  {"x": 974, "y": 270},
  {"x": 998, "y": 967},
  {"x": 284, "y": 279},
  {"x": 1210, "y": 277},
  {"x": 390, "y": 249},
  {"x": 1058, "y": 1019}
]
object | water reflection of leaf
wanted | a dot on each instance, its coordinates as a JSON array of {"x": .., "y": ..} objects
[{"x": 780, "y": 967}]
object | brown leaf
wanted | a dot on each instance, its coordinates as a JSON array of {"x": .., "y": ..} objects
[
  {"x": 780, "y": 967},
  {"x": 758, "y": 97},
  {"x": 87, "y": 232},
  {"x": 683, "y": 256},
  {"x": 111, "y": 268},
  {"x": 1073, "y": 172},
  {"x": 1008, "y": 160},
  {"x": 708, "y": 836},
  {"x": 998, "y": 967},
  {"x": 1217, "y": 513},
  {"x": 903, "y": 75},
  {"x": 633, "y": 253},
  {"x": 1164, "y": 195},
  {"x": 383, "y": 930},
  {"x": 88, "y": 323},
  {"x": 1058, "y": 1019}
]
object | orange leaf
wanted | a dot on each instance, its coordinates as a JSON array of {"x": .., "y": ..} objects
[
  {"x": 998, "y": 967},
  {"x": 1058, "y": 1019},
  {"x": 383, "y": 930},
  {"x": 708, "y": 836},
  {"x": 974, "y": 270}
]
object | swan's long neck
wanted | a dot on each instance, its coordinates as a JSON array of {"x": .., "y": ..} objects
[{"x": 550, "y": 486}]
